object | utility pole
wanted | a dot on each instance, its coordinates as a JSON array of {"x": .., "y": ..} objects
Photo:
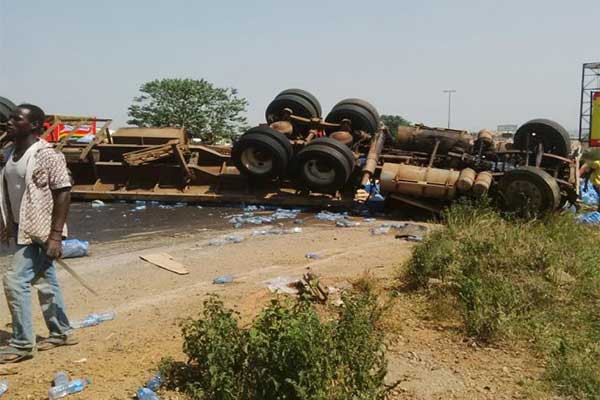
[{"x": 449, "y": 91}]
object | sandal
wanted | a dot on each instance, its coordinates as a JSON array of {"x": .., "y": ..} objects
[
  {"x": 56, "y": 341},
  {"x": 10, "y": 354}
]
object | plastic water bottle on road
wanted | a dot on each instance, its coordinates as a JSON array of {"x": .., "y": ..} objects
[
  {"x": 146, "y": 394},
  {"x": 61, "y": 378},
  {"x": 154, "y": 382},
  {"x": 75, "y": 386},
  {"x": 3, "y": 386},
  {"x": 93, "y": 319}
]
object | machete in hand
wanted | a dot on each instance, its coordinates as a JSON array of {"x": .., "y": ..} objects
[{"x": 75, "y": 275}]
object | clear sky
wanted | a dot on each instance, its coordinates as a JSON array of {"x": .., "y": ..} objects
[{"x": 509, "y": 61}]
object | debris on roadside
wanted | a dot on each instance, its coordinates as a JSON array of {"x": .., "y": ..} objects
[
  {"x": 382, "y": 230},
  {"x": 75, "y": 248},
  {"x": 60, "y": 378},
  {"x": 263, "y": 232},
  {"x": 98, "y": 204},
  {"x": 154, "y": 383},
  {"x": 283, "y": 284},
  {"x": 410, "y": 238},
  {"x": 75, "y": 386},
  {"x": 221, "y": 280},
  {"x": 226, "y": 240},
  {"x": 165, "y": 261},
  {"x": 146, "y": 394},
  {"x": 312, "y": 256},
  {"x": 312, "y": 288},
  {"x": 404, "y": 228},
  {"x": 588, "y": 194},
  {"x": 250, "y": 217},
  {"x": 346, "y": 223},
  {"x": 590, "y": 218},
  {"x": 93, "y": 320},
  {"x": 330, "y": 216},
  {"x": 3, "y": 386},
  {"x": 369, "y": 220}
]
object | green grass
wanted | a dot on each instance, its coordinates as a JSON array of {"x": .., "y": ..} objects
[
  {"x": 288, "y": 352},
  {"x": 532, "y": 281}
]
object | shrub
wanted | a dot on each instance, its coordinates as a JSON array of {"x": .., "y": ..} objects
[
  {"x": 288, "y": 352},
  {"x": 516, "y": 279}
]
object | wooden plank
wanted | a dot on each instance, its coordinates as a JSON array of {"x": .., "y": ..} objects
[{"x": 165, "y": 261}]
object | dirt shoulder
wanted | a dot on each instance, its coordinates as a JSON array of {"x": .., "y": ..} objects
[{"x": 432, "y": 360}]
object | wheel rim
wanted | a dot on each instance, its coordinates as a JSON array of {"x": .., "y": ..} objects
[
  {"x": 524, "y": 195},
  {"x": 319, "y": 171},
  {"x": 257, "y": 160}
]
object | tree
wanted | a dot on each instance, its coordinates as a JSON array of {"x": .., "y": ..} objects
[
  {"x": 394, "y": 121},
  {"x": 205, "y": 111}
]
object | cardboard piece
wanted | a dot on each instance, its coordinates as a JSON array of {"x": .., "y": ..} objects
[{"x": 165, "y": 261}]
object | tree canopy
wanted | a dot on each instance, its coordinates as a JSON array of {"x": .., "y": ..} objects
[
  {"x": 394, "y": 121},
  {"x": 205, "y": 111}
]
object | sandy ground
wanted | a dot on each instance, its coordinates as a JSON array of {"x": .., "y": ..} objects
[{"x": 433, "y": 360}]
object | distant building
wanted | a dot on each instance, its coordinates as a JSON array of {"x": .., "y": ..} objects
[{"x": 507, "y": 131}]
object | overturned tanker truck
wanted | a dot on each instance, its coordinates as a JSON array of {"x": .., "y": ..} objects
[{"x": 300, "y": 158}]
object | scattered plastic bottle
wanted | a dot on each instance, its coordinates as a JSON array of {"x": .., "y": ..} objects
[
  {"x": 329, "y": 216},
  {"x": 234, "y": 238},
  {"x": 346, "y": 223},
  {"x": 93, "y": 319},
  {"x": 61, "y": 378},
  {"x": 75, "y": 386},
  {"x": 217, "y": 242},
  {"x": 592, "y": 218},
  {"x": 382, "y": 230},
  {"x": 98, "y": 204},
  {"x": 146, "y": 394},
  {"x": 106, "y": 316},
  {"x": 155, "y": 382},
  {"x": 3, "y": 386},
  {"x": 312, "y": 256},
  {"x": 410, "y": 238},
  {"x": 221, "y": 280},
  {"x": 75, "y": 248}
]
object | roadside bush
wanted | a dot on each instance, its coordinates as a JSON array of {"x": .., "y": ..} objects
[
  {"x": 537, "y": 281},
  {"x": 288, "y": 352}
]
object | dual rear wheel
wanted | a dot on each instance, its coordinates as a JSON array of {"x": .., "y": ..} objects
[{"x": 324, "y": 165}]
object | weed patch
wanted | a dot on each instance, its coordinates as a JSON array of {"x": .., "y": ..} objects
[
  {"x": 536, "y": 281},
  {"x": 288, "y": 352}
]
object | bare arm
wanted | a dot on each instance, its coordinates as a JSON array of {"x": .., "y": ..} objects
[{"x": 62, "y": 200}]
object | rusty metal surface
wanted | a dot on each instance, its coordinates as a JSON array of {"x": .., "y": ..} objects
[
  {"x": 148, "y": 136},
  {"x": 207, "y": 194}
]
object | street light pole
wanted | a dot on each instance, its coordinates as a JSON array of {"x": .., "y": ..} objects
[{"x": 449, "y": 91}]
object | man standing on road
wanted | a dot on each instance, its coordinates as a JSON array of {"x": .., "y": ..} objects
[{"x": 34, "y": 201}]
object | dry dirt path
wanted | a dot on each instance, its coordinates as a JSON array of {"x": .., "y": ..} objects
[{"x": 119, "y": 355}]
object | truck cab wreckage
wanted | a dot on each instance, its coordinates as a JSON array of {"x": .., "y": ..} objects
[{"x": 299, "y": 158}]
